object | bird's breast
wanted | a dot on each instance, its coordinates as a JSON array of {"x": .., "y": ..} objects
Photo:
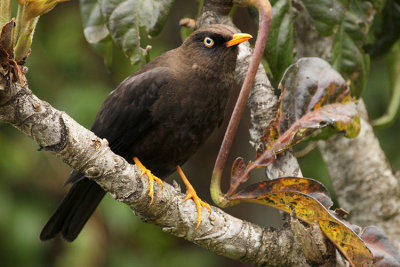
[{"x": 188, "y": 113}]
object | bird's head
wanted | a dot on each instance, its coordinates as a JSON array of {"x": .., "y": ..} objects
[{"x": 214, "y": 47}]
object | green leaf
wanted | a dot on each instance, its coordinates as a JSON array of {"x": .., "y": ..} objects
[
  {"x": 392, "y": 112},
  {"x": 95, "y": 29},
  {"x": 349, "y": 22},
  {"x": 348, "y": 55},
  {"x": 121, "y": 22},
  {"x": 385, "y": 29},
  {"x": 280, "y": 39},
  {"x": 354, "y": 64},
  {"x": 325, "y": 14},
  {"x": 127, "y": 19}
]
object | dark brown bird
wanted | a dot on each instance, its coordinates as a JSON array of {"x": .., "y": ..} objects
[{"x": 161, "y": 115}]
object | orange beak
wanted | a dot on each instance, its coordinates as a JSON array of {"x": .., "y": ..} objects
[{"x": 238, "y": 38}]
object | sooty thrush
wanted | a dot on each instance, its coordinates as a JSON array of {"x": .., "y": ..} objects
[{"x": 161, "y": 115}]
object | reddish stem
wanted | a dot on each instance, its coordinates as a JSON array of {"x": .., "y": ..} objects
[{"x": 265, "y": 15}]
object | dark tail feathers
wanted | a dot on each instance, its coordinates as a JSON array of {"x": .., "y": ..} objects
[{"x": 74, "y": 210}]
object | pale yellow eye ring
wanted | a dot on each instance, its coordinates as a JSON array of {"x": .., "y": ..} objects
[{"x": 208, "y": 42}]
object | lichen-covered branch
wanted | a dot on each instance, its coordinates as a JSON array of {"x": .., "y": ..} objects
[
  {"x": 363, "y": 180},
  {"x": 56, "y": 132}
]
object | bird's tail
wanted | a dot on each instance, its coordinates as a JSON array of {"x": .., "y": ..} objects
[{"x": 74, "y": 210}]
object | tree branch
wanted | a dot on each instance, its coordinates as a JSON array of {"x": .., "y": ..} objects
[
  {"x": 364, "y": 182},
  {"x": 56, "y": 132}
]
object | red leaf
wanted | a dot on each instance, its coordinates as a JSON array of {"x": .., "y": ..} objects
[
  {"x": 385, "y": 254},
  {"x": 237, "y": 173}
]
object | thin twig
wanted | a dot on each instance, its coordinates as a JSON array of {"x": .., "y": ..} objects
[{"x": 265, "y": 16}]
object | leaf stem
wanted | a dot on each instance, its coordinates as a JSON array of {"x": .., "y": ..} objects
[
  {"x": 391, "y": 114},
  {"x": 265, "y": 15},
  {"x": 24, "y": 41},
  {"x": 25, "y": 28},
  {"x": 18, "y": 24}
]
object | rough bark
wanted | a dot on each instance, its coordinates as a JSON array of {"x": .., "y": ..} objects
[
  {"x": 363, "y": 179},
  {"x": 56, "y": 132}
]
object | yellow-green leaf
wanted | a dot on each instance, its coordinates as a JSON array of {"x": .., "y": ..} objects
[{"x": 309, "y": 210}]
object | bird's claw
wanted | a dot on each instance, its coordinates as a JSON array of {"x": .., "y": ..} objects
[
  {"x": 191, "y": 194},
  {"x": 150, "y": 176}
]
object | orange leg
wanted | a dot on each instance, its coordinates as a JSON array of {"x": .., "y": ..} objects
[
  {"x": 191, "y": 193},
  {"x": 150, "y": 176}
]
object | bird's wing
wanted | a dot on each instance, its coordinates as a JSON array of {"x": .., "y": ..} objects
[{"x": 125, "y": 115}]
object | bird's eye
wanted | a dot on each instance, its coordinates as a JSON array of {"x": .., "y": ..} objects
[{"x": 208, "y": 42}]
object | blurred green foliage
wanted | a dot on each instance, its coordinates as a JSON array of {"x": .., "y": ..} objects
[{"x": 67, "y": 73}]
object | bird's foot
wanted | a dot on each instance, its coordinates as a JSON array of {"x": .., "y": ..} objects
[
  {"x": 191, "y": 194},
  {"x": 150, "y": 176}
]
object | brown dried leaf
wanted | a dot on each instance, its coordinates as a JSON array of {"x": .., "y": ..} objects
[
  {"x": 6, "y": 38},
  {"x": 7, "y": 60},
  {"x": 237, "y": 172}
]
